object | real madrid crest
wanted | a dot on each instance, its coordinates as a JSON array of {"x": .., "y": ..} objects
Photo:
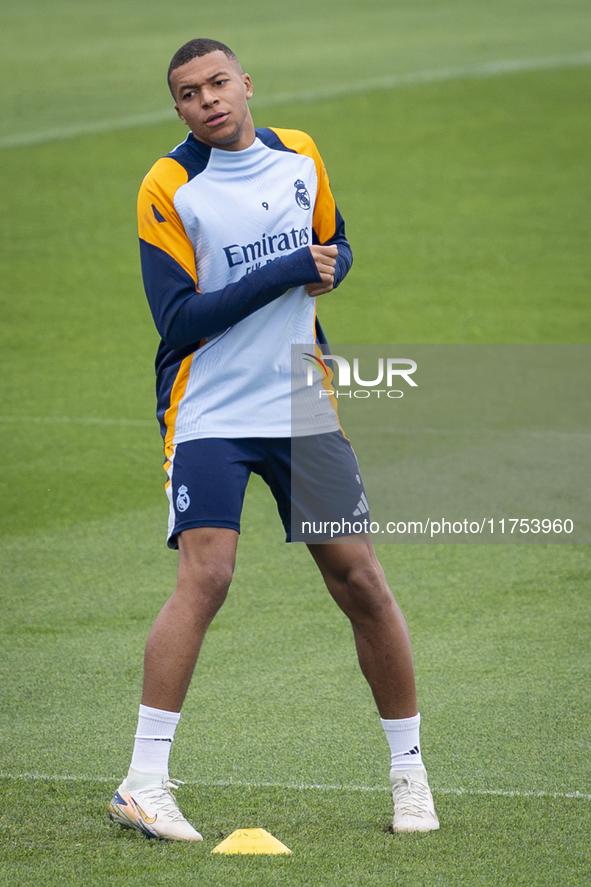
[
  {"x": 301, "y": 195},
  {"x": 182, "y": 500}
]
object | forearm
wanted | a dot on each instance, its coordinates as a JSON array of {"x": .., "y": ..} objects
[
  {"x": 344, "y": 262},
  {"x": 184, "y": 315},
  {"x": 345, "y": 255}
]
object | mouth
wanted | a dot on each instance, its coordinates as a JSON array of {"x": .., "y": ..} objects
[{"x": 217, "y": 119}]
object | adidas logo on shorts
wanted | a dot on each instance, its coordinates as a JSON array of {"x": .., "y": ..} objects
[{"x": 362, "y": 506}]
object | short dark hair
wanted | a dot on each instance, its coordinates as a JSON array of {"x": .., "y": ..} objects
[{"x": 194, "y": 49}]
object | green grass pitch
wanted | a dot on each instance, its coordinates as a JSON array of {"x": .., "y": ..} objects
[{"x": 466, "y": 202}]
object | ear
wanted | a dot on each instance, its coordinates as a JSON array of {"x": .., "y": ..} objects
[
  {"x": 248, "y": 85},
  {"x": 176, "y": 108}
]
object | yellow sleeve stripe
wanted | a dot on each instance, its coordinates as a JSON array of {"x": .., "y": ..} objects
[
  {"x": 324, "y": 221},
  {"x": 158, "y": 221},
  {"x": 176, "y": 395}
]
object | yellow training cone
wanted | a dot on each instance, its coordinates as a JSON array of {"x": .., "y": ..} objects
[{"x": 251, "y": 840}]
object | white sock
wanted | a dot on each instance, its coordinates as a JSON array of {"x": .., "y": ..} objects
[
  {"x": 405, "y": 745},
  {"x": 153, "y": 739}
]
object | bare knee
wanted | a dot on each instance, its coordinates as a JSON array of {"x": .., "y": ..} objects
[
  {"x": 206, "y": 567},
  {"x": 362, "y": 592},
  {"x": 203, "y": 587}
]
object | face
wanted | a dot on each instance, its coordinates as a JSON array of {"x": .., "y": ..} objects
[{"x": 211, "y": 95}]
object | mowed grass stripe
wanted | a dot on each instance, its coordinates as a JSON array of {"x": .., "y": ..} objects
[
  {"x": 151, "y": 423},
  {"x": 290, "y": 786},
  {"x": 413, "y": 78},
  {"x": 76, "y": 420}
]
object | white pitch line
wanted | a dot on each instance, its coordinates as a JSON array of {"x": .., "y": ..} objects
[
  {"x": 304, "y": 786},
  {"x": 413, "y": 78}
]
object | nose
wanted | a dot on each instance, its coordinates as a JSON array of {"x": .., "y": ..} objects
[{"x": 208, "y": 97}]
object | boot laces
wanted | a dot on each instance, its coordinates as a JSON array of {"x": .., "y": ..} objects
[
  {"x": 162, "y": 798},
  {"x": 410, "y": 797}
]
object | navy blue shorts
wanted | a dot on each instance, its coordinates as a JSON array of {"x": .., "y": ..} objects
[{"x": 315, "y": 481}]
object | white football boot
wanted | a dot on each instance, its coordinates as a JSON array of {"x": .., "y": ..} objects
[
  {"x": 413, "y": 802},
  {"x": 149, "y": 806}
]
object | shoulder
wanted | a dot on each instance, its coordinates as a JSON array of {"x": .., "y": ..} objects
[
  {"x": 165, "y": 176},
  {"x": 156, "y": 198},
  {"x": 293, "y": 140},
  {"x": 178, "y": 167}
]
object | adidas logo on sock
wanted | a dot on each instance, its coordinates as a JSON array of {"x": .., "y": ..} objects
[
  {"x": 362, "y": 506},
  {"x": 413, "y": 751}
]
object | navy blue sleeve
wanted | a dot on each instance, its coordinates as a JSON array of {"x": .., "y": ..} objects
[
  {"x": 344, "y": 262},
  {"x": 345, "y": 255},
  {"x": 183, "y": 315}
]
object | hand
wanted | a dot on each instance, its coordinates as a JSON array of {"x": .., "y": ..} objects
[{"x": 326, "y": 260}]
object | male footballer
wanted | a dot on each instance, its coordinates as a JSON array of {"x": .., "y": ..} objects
[{"x": 239, "y": 235}]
